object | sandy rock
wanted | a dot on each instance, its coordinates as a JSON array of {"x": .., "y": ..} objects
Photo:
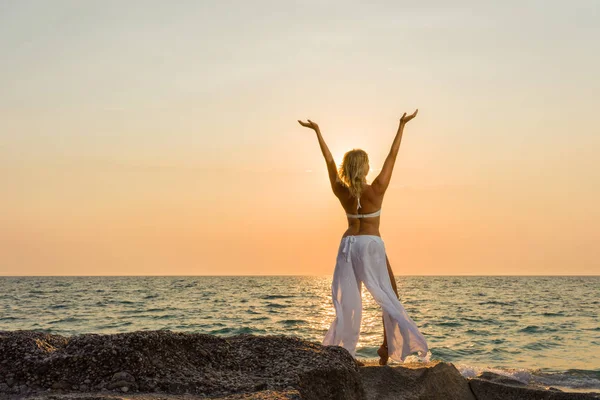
[
  {"x": 178, "y": 363},
  {"x": 488, "y": 390}
]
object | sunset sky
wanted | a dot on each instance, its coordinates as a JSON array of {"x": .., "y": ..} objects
[{"x": 160, "y": 138}]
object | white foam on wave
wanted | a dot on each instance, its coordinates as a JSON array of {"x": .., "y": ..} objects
[
  {"x": 582, "y": 383},
  {"x": 413, "y": 358},
  {"x": 469, "y": 371},
  {"x": 563, "y": 381}
]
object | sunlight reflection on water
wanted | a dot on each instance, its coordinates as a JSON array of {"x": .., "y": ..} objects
[{"x": 506, "y": 322}]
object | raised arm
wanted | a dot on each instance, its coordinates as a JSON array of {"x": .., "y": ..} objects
[
  {"x": 331, "y": 167},
  {"x": 381, "y": 183}
]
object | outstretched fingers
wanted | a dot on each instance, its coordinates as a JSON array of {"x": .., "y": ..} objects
[
  {"x": 309, "y": 124},
  {"x": 406, "y": 118}
]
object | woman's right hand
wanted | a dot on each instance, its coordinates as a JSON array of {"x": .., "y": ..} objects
[{"x": 310, "y": 124}]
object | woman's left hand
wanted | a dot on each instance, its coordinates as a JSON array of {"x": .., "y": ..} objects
[
  {"x": 405, "y": 118},
  {"x": 310, "y": 124}
]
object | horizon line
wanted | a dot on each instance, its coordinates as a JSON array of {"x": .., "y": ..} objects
[{"x": 273, "y": 275}]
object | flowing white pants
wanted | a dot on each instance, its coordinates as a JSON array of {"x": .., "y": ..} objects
[{"x": 361, "y": 259}]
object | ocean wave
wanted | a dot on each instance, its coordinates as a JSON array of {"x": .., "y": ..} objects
[
  {"x": 161, "y": 309},
  {"x": 537, "y": 329},
  {"x": 478, "y": 333},
  {"x": 445, "y": 353},
  {"x": 276, "y": 296},
  {"x": 277, "y": 305},
  {"x": 553, "y": 314},
  {"x": 450, "y": 324},
  {"x": 573, "y": 378},
  {"x": 542, "y": 345},
  {"x": 164, "y": 316},
  {"x": 9, "y": 318},
  {"x": 480, "y": 320},
  {"x": 497, "y": 303},
  {"x": 292, "y": 322},
  {"x": 64, "y": 320},
  {"x": 237, "y": 331},
  {"x": 470, "y": 371},
  {"x": 570, "y": 379},
  {"x": 116, "y": 324}
]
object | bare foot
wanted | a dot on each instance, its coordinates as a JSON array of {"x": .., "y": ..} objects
[{"x": 383, "y": 355}]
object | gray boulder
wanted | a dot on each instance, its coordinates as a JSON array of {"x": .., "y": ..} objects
[
  {"x": 490, "y": 390},
  {"x": 415, "y": 381}
]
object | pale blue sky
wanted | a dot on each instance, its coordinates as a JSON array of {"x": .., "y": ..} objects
[{"x": 75, "y": 61}]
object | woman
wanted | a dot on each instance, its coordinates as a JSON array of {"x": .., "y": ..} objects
[{"x": 362, "y": 258}]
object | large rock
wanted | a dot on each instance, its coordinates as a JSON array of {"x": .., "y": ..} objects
[
  {"x": 264, "y": 395},
  {"x": 486, "y": 389},
  {"x": 415, "y": 381},
  {"x": 177, "y": 363}
]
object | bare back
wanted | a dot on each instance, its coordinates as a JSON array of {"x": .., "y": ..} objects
[
  {"x": 372, "y": 196},
  {"x": 370, "y": 202}
]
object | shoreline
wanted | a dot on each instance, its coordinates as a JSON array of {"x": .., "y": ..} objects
[
  {"x": 34, "y": 365},
  {"x": 498, "y": 324}
]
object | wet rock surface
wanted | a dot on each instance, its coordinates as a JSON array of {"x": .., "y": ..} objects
[
  {"x": 415, "y": 381},
  {"x": 36, "y": 363},
  {"x": 497, "y": 378},
  {"x": 486, "y": 389}
]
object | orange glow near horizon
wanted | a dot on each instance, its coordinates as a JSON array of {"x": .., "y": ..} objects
[{"x": 177, "y": 151}]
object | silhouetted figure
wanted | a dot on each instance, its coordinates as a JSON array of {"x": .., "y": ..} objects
[{"x": 362, "y": 258}]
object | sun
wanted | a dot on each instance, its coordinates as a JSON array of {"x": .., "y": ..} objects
[{"x": 338, "y": 156}]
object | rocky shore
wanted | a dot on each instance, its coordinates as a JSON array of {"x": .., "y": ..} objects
[{"x": 175, "y": 365}]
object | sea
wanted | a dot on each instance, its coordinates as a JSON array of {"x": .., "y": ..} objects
[{"x": 539, "y": 330}]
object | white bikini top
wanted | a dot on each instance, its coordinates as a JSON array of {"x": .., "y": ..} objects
[{"x": 370, "y": 215}]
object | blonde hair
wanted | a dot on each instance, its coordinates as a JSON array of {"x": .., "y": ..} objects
[{"x": 353, "y": 173}]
